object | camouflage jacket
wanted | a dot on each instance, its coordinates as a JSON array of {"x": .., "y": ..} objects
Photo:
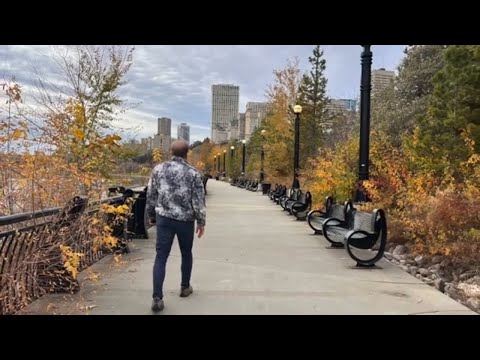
[{"x": 175, "y": 190}]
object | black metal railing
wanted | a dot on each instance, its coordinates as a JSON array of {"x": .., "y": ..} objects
[{"x": 31, "y": 260}]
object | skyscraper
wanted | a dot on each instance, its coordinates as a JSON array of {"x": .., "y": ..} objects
[
  {"x": 341, "y": 105},
  {"x": 225, "y": 103},
  {"x": 241, "y": 126},
  {"x": 164, "y": 126},
  {"x": 162, "y": 139},
  {"x": 380, "y": 79},
  {"x": 183, "y": 132},
  {"x": 254, "y": 115}
]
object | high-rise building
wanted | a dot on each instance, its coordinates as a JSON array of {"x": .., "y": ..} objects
[
  {"x": 164, "y": 126},
  {"x": 225, "y": 102},
  {"x": 241, "y": 126},
  {"x": 183, "y": 132},
  {"x": 233, "y": 131},
  {"x": 254, "y": 115},
  {"x": 380, "y": 79},
  {"x": 341, "y": 105},
  {"x": 346, "y": 107},
  {"x": 163, "y": 139},
  {"x": 147, "y": 144}
]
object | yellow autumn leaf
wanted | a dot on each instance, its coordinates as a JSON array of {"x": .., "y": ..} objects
[
  {"x": 111, "y": 139},
  {"x": 78, "y": 134},
  {"x": 93, "y": 276},
  {"x": 109, "y": 209},
  {"x": 123, "y": 209},
  {"x": 87, "y": 181},
  {"x": 18, "y": 133}
]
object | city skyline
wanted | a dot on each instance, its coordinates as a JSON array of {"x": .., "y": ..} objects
[{"x": 175, "y": 81}]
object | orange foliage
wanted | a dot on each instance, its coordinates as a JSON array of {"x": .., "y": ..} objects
[
  {"x": 332, "y": 174},
  {"x": 436, "y": 216}
]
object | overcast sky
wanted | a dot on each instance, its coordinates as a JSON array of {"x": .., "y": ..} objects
[{"x": 175, "y": 80}]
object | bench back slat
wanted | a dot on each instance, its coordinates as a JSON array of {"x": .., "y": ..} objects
[
  {"x": 363, "y": 221},
  {"x": 374, "y": 222},
  {"x": 328, "y": 203},
  {"x": 336, "y": 211},
  {"x": 308, "y": 198},
  {"x": 302, "y": 198},
  {"x": 296, "y": 194}
]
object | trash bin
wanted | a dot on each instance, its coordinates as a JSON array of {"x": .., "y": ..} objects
[{"x": 266, "y": 188}]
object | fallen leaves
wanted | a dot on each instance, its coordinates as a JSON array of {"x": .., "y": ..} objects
[
  {"x": 87, "y": 307},
  {"x": 92, "y": 276}
]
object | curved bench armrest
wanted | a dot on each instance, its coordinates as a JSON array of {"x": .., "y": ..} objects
[
  {"x": 331, "y": 220},
  {"x": 296, "y": 203}
]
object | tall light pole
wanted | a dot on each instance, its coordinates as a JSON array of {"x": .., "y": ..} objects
[
  {"x": 297, "y": 109},
  {"x": 231, "y": 160},
  {"x": 224, "y": 156},
  {"x": 218, "y": 162},
  {"x": 262, "y": 157},
  {"x": 243, "y": 156},
  {"x": 214, "y": 163},
  {"x": 365, "y": 87}
]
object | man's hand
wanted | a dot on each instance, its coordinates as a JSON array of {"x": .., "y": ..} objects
[
  {"x": 152, "y": 221},
  {"x": 200, "y": 230}
]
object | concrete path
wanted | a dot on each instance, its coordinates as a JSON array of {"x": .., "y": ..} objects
[{"x": 254, "y": 259}]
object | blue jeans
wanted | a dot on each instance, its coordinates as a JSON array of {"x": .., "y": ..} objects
[{"x": 166, "y": 231}]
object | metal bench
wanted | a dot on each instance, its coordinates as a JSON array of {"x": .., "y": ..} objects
[
  {"x": 295, "y": 196},
  {"x": 253, "y": 186},
  {"x": 286, "y": 201},
  {"x": 364, "y": 235},
  {"x": 301, "y": 208},
  {"x": 272, "y": 191},
  {"x": 316, "y": 218},
  {"x": 278, "y": 194}
]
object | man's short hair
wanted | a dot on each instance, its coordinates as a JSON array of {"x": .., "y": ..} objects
[{"x": 179, "y": 148}]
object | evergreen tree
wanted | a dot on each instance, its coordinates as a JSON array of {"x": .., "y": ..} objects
[
  {"x": 396, "y": 108},
  {"x": 453, "y": 115},
  {"x": 313, "y": 99}
]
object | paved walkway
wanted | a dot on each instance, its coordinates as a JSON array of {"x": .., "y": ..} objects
[{"x": 254, "y": 259}]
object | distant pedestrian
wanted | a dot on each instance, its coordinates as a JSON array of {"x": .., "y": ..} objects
[{"x": 175, "y": 199}]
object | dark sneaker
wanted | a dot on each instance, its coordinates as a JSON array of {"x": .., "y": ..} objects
[
  {"x": 184, "y": 292},
  {"x": 157, "y": 305}
]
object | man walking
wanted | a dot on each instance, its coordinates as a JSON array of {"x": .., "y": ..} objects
[{"x": 175, "y": 199}]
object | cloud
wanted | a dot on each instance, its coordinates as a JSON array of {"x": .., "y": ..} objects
[{"x": 175, "y": 80}]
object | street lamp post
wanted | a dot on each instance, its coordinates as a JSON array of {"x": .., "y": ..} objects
[
  {"x": 231, "y": 159},
  {"x": 224, "y": 156},
  {"x": 297, "y": 109},
  {"x": 243, "y": 156},
  {"x": 214, "y": 164},
  {"x": 218, "y": 162},
  {"x": 365, "y": 87},
  {"x": 262, "y": 157}
]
